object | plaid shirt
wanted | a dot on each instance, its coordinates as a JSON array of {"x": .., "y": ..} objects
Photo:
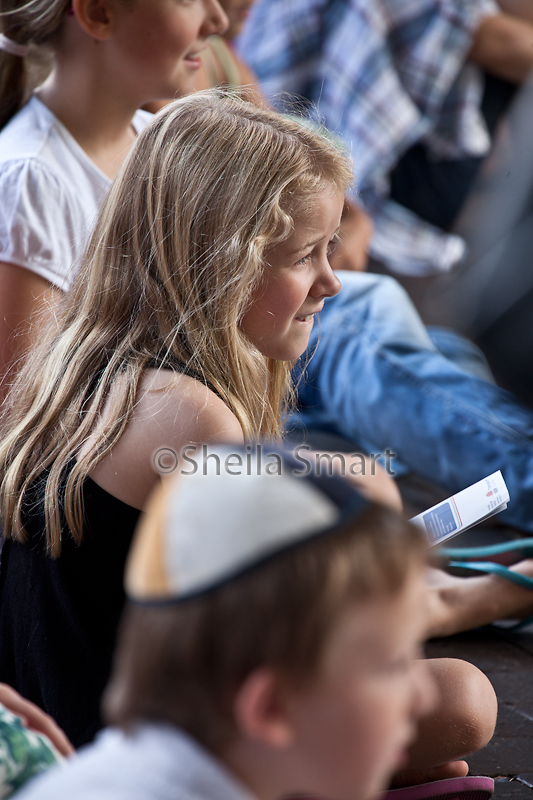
[{"x": 383, "y": 74}]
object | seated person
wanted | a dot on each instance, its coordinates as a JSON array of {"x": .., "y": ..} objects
[
  {"x": 269, "y": 649},
  {"x": 62, "y": 144},
  {"x": 180, "y": 344},
  {"x": 391, "y": 77}
]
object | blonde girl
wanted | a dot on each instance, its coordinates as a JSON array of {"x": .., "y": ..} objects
[
  {"x": 197, "y": 292},
  {"x": 61, "y": 146}
]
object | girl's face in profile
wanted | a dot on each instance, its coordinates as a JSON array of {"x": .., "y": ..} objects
[
  {"x": 296, "y": 280},
  {"x": 159, "y": 42}
]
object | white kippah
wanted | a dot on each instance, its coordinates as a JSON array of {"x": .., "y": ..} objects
[
  {"x": 205, "y": 529},
  {"x": 12, "y": 47}
]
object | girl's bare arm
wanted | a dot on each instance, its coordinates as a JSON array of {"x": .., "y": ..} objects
[{"x": 26, "y": 302}]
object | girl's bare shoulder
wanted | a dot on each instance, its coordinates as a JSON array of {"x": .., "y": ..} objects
[
  {"x": 172, "y": 412},
  {"x": 183, "y": 409}
]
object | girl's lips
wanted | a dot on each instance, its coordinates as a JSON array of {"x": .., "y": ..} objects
[
  {"x": 194, "y": 59},
  {"x": 193, "y": 63},
  {"x": 308, "y": 317}
]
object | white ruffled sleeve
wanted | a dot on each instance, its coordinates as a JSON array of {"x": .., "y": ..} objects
[{"x": 39, "y": 218}]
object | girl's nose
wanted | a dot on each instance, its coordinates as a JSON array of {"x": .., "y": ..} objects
[
  {"x": 326, "y": 284},
  {"x": 216, "y": 20}
]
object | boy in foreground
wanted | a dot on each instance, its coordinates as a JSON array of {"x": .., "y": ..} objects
[{"x": 269, "y": 648}]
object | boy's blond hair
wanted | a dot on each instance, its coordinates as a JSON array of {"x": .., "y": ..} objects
[
  {"x": 178, "y": 251},
  {"x": 183, "y": 663}
]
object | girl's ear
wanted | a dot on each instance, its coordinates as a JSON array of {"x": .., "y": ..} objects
[
  {"x": 260, "y": 709},
  {"x": 94, "y": 16}
]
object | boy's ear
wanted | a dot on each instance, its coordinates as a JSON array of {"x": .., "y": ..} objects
[
  {"x": 260, "y": 709},
  {"x": 94, "y": 16}
]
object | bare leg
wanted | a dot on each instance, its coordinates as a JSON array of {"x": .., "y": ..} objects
[
  {"x": 460, "y": 604},
  {"x": 462, "y": 723}
]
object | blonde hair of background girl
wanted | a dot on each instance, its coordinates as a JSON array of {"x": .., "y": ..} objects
[{"x": 178, "y": 250}]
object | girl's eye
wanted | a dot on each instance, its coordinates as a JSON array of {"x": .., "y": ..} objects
[{"x": 332, "y": 245}]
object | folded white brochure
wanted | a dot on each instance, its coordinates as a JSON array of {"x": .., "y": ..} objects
[{"x": 464, "y": 509}]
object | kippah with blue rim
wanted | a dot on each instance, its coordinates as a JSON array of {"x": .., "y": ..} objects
[{"x": 204, "y": 529}]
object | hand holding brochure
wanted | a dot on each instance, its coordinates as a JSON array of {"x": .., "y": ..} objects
[{"x": 464, "y": 509}]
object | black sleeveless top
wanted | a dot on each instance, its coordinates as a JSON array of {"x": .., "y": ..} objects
[{"x": 59, "y": 617}]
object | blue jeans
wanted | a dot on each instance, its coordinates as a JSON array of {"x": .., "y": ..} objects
[{"x": 379, "y": 378}]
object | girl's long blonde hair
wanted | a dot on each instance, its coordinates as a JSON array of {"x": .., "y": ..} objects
[{"x": 177, "y": 253}]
